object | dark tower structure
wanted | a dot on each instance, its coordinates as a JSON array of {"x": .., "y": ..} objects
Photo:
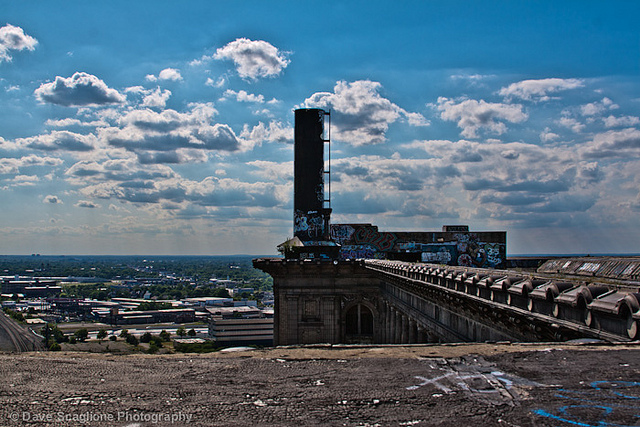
[{"x": 310, "y": 216}]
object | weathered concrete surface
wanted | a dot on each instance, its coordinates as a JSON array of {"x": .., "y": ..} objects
[{"x": 445, "y": 385}]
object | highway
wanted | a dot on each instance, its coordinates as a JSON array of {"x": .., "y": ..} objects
[{"x": 17, "y": 338}]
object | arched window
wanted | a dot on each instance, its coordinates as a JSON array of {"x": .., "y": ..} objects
[{"x": 359, "y": 320}]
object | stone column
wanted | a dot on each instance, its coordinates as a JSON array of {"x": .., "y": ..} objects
[
  {"x": 405, "y": 329},
  {"x": 412, "y": 331},
  {"x": 392, "y": 325}
]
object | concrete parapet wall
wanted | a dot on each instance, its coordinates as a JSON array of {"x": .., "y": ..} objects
[
  {"x": 396, "y": 302},
  {"x": 536, "y": 307}
]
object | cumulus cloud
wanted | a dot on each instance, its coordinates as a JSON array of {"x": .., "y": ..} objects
[
  {"x": 156, "y": 99},
  {"x": 24, "y": 181},
  {"x": 69, "y": 122},
  {"x": 548, "y": 136},
  {"x": 216, "y": 83},
  {"x": 243, "y": 96},
  {"x": 11, "y": 165},
  {"x": 86, "y": 204},
  {"x": 146, "y": 133},
  {"x": 622, "y": 143},
  {"x": 360, "y": 115},
  {"x": 472, "y": 115},
  {"x": 518, "y": 182},
  {"x": 14, "y": 38},
  {"x": 119, "y": 170},
  {"x": 571, "y": 123},
  {"x": 59, "y": 140},
  {"x": 596, "y": 108},
  {"x": 129, "y": 181},
  {"x": 79, "y": 90},
  {"x": 253, "y": 58},
  {"x": 613, "y": 122},
  {"x": 170, "y": 74},
  {"x": 54, "y": 200},
  {"x": 274, "y": 132},
  {"x": 539, "y": 90}
]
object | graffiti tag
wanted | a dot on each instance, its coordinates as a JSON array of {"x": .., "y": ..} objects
[
  {"x": 606, "y": 403},
  {"x": 369, "y": 235}
]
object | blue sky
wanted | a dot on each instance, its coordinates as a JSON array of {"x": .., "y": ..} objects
[{"x": 157, "y": 127}]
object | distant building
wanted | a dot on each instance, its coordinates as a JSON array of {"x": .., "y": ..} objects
[
  {"x": 114, "y": 316},
  {"x": 239, "y": 291},
  {"x": 30, "y": 287},
  {"x": 208, "y": 301},
  {"x": 242, "y": 331},
  {"x": 243, "y": 325}
]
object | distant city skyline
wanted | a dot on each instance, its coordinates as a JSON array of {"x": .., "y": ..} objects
[{"x": 159, "y": 128}]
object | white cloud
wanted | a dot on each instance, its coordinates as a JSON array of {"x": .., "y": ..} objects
[
  {"x": 79, "y": 90},
  {"x": 571, "y": 123},
  {"x": 548, "y": 136},
  {"x": 596, "y": 108},
  {"x": 25, "y": 181},
  {"x": 622, "y": 143},
  {"x": 253, "y": 58},
  {"x": 624, "y": 121},
  {"x": 274, "y": 132},
  {"x": 156, "y": 99},
  {"x": 130, "y": 181},
  {"x": 359, "y": 114},
  {"x": 59, "y": 140},
  {"x": 69, "y": 122},
  {"x": 14, "y": 38},
  {"x": 216, "y": 83},
  {"x": 54, "y": 200},
  {"x": 243, "y": 96},
  {"x": 472, "y": 115},
  {"x": 12, "y": 165},
  {"x": 172, "y": 74},
  {"x": 539, "y": 89},
  {"x": 169, "y": 136},
  {"x": 86, "y": 204}
]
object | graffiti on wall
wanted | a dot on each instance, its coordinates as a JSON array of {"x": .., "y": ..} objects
[
  {"x": 308, "y": 225},
  {"x": 359, "y": 252},
  {"x": 441, "y": 254},
  {"x": 466, "y": 250},
  {"x": 371, "y": 236},
  {"x": 474, "y": 253},
  {"x": 342, "y": 233},
  {"x": 462, "y": 248}
]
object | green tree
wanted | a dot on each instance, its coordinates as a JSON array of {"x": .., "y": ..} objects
[
  {"x": 124, "y": 333},
  {"x": 81, "y": 334},
  {"x": 165, "y": 336},
  {"x": 181, "y": 331},
  {"x": 51, "y": 332},
  {"x": 131, "y": 339},
  {"x": 102, "y": 334},
  {"x": 153, "y": 347},
  {"x": 192, "y": 332},
  {"x": 146, "y": 337}
]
